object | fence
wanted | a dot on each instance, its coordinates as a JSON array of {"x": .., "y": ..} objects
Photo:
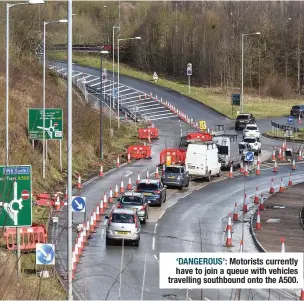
[{"x": 282, "y": 130}]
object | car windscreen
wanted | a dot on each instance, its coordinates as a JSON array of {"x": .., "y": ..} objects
[
  {"x": 132, "y": 200},
  {"x": 147, "y": 186},
  {"x": 243, "y": 117},
  {"x": 123, "y": 218},
  {"x": 250, "y": 140},
  {"x": 296, "y": 107},
  {"x": 222, "y": 150},
  {"x": 173, "y": 169},
  {"x": 251, "y": 128}
]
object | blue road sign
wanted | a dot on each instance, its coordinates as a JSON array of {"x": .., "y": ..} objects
[
  {"x": 78, "y": 204},
  {"x": 249, "y": 157},
  {"x": 45, "y": 254},
  {"x": 290, "y": 119}
]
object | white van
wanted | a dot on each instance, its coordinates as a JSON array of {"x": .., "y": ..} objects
[{"x": 202, "y": 160}]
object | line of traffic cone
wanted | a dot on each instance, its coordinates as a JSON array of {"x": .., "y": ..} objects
[
  {"x": 235, "y": 213},
  {"x": 282, "y": 244},
  {"x": 283, "y": 155},
  {"x": 300, "y": 156},
  {"x": 101, "y": 174},
  {"x": 156, "y": 173},
  {"x": 129, "y": 186},
  {"x": 117, "y": 162},
  {"x": 245, "y": 204},
  {"x": 275, "y": 167},
  {"x": 261, "y": 204},
  {"x": 57, "y": 204},
  {"x": 241, "y": 167},
  {"x": 258, "y": 169},
  {"x": 271, "y": 190},
  {"x": 258, "y": 160},
  {"x": 98, "y": 219},
  {"x": 87, "y": 229},
  {"x": 79, "y": 186},
  {"x": 281, "y": 189},
  {"x": 229, "y": 224},
  {"x": 229, "y": 239},
  {"x": 116, "y": 193},
  {"x": 129, "y": 158},
  {"x": 122, "y": 187},
  {"x": 256, "y": 196},
  {"x": 230, "y": 174},
  {"x": 273, "y": 157},
  {"x": 138, "y": 179},
  {"x": 105, "y": 201},
  {"x": 280, "y": 154},
  {"x": 246, "y": 173},
  {"x": 101, "y": 207},
  {"x": 110, "y": 198},
  {"x": 290, "y": 181},
  {"x": 258, "y": 225},
  {"x": 92, "y": 226},
  {"x": 293, "y": 167}
]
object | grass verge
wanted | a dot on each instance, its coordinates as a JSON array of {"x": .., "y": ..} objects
[
  {"x": 26, "y": 92},
  {"x": 281, "y": 135},
  {"x": 216, "y": 98}
]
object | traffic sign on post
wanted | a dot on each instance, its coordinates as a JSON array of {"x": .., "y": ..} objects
[
  {"x": 104, "y": 74},
  {"x": 290, "y": 119},
  {"x": 235, "y": 99},
  {"x": 249, "y": 157},
  {"x": 16, "y": 201},
  {"x": 189, "y": 69},
  {"x": 53, "y": 124},
  {"x": 202, "y": 125},
  {"x": 78, "y": 204},
  {"x": 155, "y": 76},
  {"x": 45, "y": 254}
]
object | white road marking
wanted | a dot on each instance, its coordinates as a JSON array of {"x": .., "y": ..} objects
[
  {"x": 155, "y": 257},
  {"x": 166, "y": 117},
  {"x": 153, "y": 243},
  {"x": 161, "y": 215},
  {"x": 166, "y": 114},
  {"x": 128, "y": 173},
  {"x": 159, "y": 107},
  {"x": 155, "y": 227}
]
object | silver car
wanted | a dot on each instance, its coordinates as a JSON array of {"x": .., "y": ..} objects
[
  {"x": 123, "y": 224},
  {"x": 135, "y": 201}
]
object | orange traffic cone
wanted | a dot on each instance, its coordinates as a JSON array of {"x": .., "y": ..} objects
[
  {"x": 129, "y": 158},
  {"x": 246, "y": 173},
  {"x": 79, "y": 186},
  {"x": 273, "y": 157},
  {"x": 138, "y": 179},
  {"x": 271, "y": 191},
  {"x": 110, "y": 199},
  {"x": 261, "y": 205},
  {"x": 229, "y": 224},
  {"x": 97, "y": 214},
  {"x": 101, "y": 207},
  {"x": 230, "y": 174},
  {"x": 57, "y": 204},
  {"x": 92, "y": 227},
  {"x": 289, "y": 181},
  {"x": 283, "y": 155},
  {"x": 147, "y": 174},
  {"x": 101, "y": 174},
  {"x": 283, "y": 245},
  {"x": 229, "y": 239},
  {"x": 293, "y": 165},
  {"x": 156, "y": 173},
  {"x": 258, "y": 170},
  {"x": 117, "y": 162},
  {"x": 241, "y": 246},
  {"x": 302, "y": 295},
  {"x": 116, "y": 194},
  {"x": 280, "y": 154},
  {"x": 281, "y": 186},
  {"x": 241, "y": 167},
  {"x": 235, "y": 213},
  {"x": 105, "y": 201},
  {"x": 256, "y": 197},
  {"x": 122, "y": 188},
  {"x": 258, "y": 222},
  {"x": 275, "y": 168},
  {"x": 88, "y": 232},
  {"x": 300, "y": 155},
  {"x": 129, "y": 186},
  {"x": 245, "y": 207}
]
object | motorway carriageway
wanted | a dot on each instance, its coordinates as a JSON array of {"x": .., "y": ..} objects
[{"x": 195, "y": 223}]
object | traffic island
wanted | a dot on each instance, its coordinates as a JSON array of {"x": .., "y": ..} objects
[{"x": 281, "y": 218}]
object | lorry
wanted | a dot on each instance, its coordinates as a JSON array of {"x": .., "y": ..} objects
[
  {"x": 228, "y": 150},
  {"x": 202, "y": 160}
]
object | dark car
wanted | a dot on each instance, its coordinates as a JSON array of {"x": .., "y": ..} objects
[
  {"x": 297, "y": 111},
  {"x": 153, "y": 190},
  {"x": 243, "y": 119},
  {"x": 176, "y": 176}
]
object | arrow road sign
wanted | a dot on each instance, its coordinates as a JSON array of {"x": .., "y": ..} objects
[
  {"x": 249, "y": 156},
  {"x": 25, "y": 194},
  {"x": 290, "y": 119},
  {"x": 78, "y": 204},
  {"x": 45, "y": 254}
]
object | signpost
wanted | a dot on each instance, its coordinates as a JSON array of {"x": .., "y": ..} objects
[
  {"x": 45, "y": 254},
  {"x": 202, "y": 125},
  {"x": 16, "y": 201},
  {"x": 104, "y": 74},
  {"x": 290, "y": 119},
  {"x": 189, "y": 73},
  {"x": 53, "y": 124},
  {"x": 155, "y": 77},
  {"x": 235, "y": 100}
]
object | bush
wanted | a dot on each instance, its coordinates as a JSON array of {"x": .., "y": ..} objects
[{"x": 277, "y": 86}]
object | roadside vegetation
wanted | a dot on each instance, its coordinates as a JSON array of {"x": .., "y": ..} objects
[
  {"x": 216, "y": 98},
  {"x": 26, "y": 92}
]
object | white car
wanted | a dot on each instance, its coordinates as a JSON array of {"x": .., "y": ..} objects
[
  {"x": 251, "y": 130},
  {"x": 254, "y": 144}
]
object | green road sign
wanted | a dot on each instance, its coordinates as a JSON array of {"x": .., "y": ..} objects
[
  {"x": 235, "y": 99},
  {"x": 16, "y": 196},
  {"x": 53, "y": 124}
]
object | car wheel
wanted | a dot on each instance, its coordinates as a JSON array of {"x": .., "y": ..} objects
[
  {"x": 188, "y": 183},
  {"x": 209, "y": 177},
  {"x": 108, "y": 241},
  {"x": 260, "y": 151},
  {"x": 136, "y": 243},
  {"x": 219, "y": 174},
  {"x": 181, "y": 187}
]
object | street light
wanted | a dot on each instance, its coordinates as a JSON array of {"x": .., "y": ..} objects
[
  {"x": 118, "y": 40},
  {"x": 8, "y": 6},
  {"x": 242, "y": 76},
  {"x": 101, "y": 105},
  {"x": 43, "y": 93}
]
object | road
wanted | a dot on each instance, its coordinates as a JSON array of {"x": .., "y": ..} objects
[{"x": 191, "y": 220}]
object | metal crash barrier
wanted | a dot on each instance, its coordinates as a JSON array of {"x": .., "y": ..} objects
[
  {"x": 29, "y": 237},
  {"x": 140, "y": 152},
  {"x": 146, "y": 133},
  {"x": 171, "y": 156}
]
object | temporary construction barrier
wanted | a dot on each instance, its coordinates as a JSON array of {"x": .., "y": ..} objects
[
  {"x": 171, "y": 156},
  {"x": 145, "y": 133},
  {"x": 29, "y": 237},
  {"x": 197, "y": 136},
  {"x": 44, "y": 199},
  {"x": 140, "y": 151}
]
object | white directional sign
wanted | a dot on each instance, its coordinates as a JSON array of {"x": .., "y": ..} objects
[
  {"x": 189, "y": 69},
  {"x": 249, "y": 156},
  {"x": 155, "y": 76},
  {"x": 78, "y": 204},
  {"x": 45, "y": 254}
]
